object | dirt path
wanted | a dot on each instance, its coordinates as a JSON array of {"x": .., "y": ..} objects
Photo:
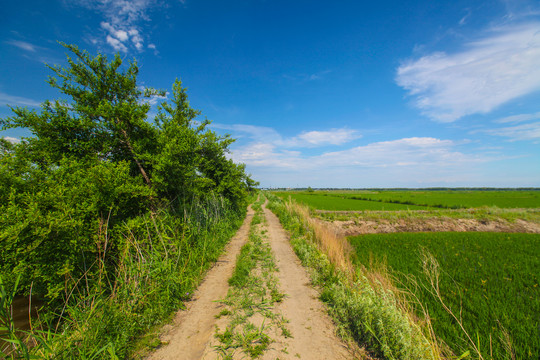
[
  {"x": 193, "y": 328},
  {"x": 309, "y": 334},
  {"x": 312, "y": 330}
]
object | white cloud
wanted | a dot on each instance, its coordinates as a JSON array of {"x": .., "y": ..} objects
[
  {"x": 255, "y": 133},
  {"x": 424, "y": 161},
  {"x": 123, "y": 18},
  {"x": 488, "y": 72},
  {"x": 333, "y": 137},
  {"x": 276, "y": 160},
  {"x": 518, "y": 118},
  {"x": 6, "y": 99},
  {"x": 22, "y": 45},
  {"x": 116, "y": 44},
  {"x": 12, "y": 139},
  {"x": 519, "y": 132},
  {"x": 416, "y": 151},
  {"x": 304, "y": 139},
  {"x": 119, "y": 38}
]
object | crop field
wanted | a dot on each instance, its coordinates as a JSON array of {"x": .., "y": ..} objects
[
  {"x": 454, "y": 198},
  {"x": 489, "y": 280},
  {"x": 414, "y": 199},
  {"x": 342, "y": 202}
]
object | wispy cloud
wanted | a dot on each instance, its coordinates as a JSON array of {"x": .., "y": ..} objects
[
  {"x": 499, "y": 67},
  {"x": 518, "y": 118},
  {"x": 304, "y": 139},
  {"x": 529, "y": 131},
  {"x": 22, "y": 45},
  {"x": 122, "y": 24},
  {"x": 6, "y": 99},
  {"x": 465, "y": 18},
  {"x": 331, "y": 137},
  {"x": 302, "y": 78}
]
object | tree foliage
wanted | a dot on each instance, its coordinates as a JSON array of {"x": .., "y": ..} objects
[{"x": 96, "y": 160}]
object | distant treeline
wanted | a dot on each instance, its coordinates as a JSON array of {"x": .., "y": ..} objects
[{"x": 411, "y": 189}]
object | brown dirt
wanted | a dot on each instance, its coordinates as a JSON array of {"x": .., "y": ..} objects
[
  {"x": 312, "y": 329},
  {"x": 313, "y": 332},
  {"x": 359, "y": 226}
]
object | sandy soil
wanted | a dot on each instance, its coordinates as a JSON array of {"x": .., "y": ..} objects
[
  {"x": 359, "y": 226},
  {"x": 313, "y": 332}
]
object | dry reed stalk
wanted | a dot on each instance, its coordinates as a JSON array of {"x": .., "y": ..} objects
[{"x": 335, "y": 246}]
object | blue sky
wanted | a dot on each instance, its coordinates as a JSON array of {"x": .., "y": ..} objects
[{"x": 321, "y": 94}]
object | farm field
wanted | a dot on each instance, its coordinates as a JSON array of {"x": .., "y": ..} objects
[
  {"x": 491, "y": 280},
  {"x": 341, "y": 202},
  {"x": 453, "y": 198},
  {"x": 414, "y": 199}
]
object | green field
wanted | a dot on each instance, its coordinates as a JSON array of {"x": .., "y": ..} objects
[
  {"x": 454, "y": 198},
  {"x": 491, "y": 278},
  {"x": 341, "y": 202},
  {"x": 414, "y": 199}
]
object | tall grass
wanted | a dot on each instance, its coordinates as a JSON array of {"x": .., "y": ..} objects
[
  {"x": 161, "y": 259},
  {"x": 367, "y": 306}
]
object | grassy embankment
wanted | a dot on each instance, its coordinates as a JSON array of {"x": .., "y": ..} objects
[
  {"x": 366, "y": 307},
  {"x": 158, "y": 269}
]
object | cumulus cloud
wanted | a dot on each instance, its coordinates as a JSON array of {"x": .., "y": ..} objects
[
  {"x": 294, "y": 161},
  {"x": 122, "y": 21},
  {"x": 499, "y": 67}
]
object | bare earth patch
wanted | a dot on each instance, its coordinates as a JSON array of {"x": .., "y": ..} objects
[{"x": 359, "y": 226}]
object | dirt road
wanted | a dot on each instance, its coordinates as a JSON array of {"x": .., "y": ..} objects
[
  {"x": 193, "y": 328},
  {"x": 312, "y": 333}
]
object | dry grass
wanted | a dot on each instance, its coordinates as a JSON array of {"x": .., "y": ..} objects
[{"x": 335, "y": 246}]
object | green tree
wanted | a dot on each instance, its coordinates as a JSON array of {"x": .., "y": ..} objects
[{"x": 94, "y": 160}]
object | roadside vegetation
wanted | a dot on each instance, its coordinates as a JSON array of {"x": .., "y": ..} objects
[
  {"x": 366, "y": 308},
  {"x": 481, "y": 290},
  {"x": 107, "y": 216}
]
